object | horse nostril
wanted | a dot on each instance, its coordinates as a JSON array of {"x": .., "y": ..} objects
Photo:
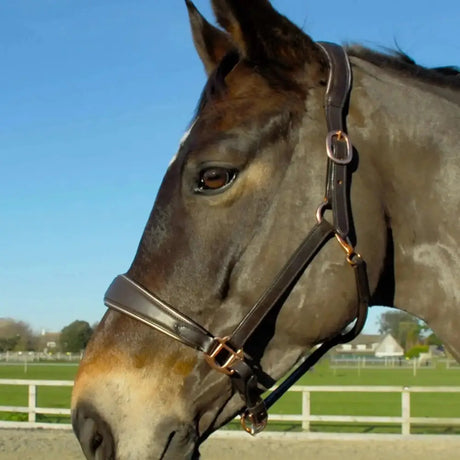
[
  {"x": 96, "y": 441},
  {"x": 93, "y": 432}
]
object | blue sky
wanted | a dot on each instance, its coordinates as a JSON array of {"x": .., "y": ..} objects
[{"x": 95, "y": 95}]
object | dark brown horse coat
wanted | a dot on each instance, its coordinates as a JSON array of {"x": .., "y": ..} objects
[{"x": 240, "y": 196}]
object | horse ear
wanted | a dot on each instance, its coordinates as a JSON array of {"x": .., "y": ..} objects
[
  {"x": 263, "y": 35},
  {"x": 211, "y": 43}
]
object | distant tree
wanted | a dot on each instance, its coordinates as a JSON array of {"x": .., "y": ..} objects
[
  {"x": 405, "y": 328},
  {"x": 416, "y": 351},
  {"x": 75, "y": 336},
  {"x": 16, "y": 336},
  {"x": 8, "y": 343},
  {"x": 433, "y": 339}
]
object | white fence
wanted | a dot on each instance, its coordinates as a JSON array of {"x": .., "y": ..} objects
[
  {"x": 405, "y": 420},
  {"x": 16, "y": 357},
  {"x": 452, "y": 364},
  {"x": 32, "y": 409},
  {"x": 371, "y": 362},
  {"x": 362, "y": 363}
]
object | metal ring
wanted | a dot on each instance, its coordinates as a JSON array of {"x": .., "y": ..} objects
[
  {"x": 321, "y": 210},
  {"x": 354, "y": 259},
  {"x": 340, "y": 136}
]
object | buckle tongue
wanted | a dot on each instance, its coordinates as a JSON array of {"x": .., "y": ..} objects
[
  {"x": 339, "y": 136},
  {"x": 228, "y": 358}
]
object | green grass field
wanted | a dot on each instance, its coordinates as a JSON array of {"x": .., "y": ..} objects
[
  {"x": 379, "y": 404},
  {"x": 56, "y": 397}
]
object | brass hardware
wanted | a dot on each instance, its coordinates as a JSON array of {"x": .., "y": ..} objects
[
  {"x": 321, "y": 210},
  {"x": 254, "y": 428},
  {"x": 352, "y": 255},
  {"x": 233, "y": 356}
]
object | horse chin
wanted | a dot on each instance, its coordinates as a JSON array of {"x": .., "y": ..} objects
[
  {"x": 180, "y": 447},
  {"x": 212, "y": 420}
]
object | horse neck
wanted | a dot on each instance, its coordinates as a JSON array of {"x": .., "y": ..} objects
[{"x": 406, "y": 133}]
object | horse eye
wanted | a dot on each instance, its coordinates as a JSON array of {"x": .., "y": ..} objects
[{"x": 215, "y": 178}]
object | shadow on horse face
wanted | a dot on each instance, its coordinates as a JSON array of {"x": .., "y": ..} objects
[{"x": 235, "y": 203}]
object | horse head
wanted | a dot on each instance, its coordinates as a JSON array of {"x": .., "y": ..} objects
[{"x": 235, "y": 203}]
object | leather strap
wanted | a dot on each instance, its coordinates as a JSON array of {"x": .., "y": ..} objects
[
  {"x": 128, "y": 297},
  {"x": 336, "y": 100}
]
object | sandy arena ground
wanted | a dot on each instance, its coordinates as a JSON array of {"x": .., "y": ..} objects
[{"x": 61, "y": 445}]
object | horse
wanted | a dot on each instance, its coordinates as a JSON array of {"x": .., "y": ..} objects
[{"x": 237, "y": 202}]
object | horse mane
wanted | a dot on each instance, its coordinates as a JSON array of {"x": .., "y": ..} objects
[
  {"x": 397, "y": 60},
  {"x": 448, "y": 76}
]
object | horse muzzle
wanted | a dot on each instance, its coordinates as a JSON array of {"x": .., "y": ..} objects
[
  {"x": 98, "y": 441},
  {"x": 93, "y": 433}
]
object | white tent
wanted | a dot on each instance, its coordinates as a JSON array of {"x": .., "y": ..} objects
[{"x": 388, "y": 347}]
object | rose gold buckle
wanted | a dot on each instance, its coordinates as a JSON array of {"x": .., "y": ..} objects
[
  {"x": 252, "y": 428},
  {"x": 352, "y": 256},
  {"x": 339, "y": 136},
  {"x": 321, "y": 210},
  {"x": 233, "y": 356}
]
